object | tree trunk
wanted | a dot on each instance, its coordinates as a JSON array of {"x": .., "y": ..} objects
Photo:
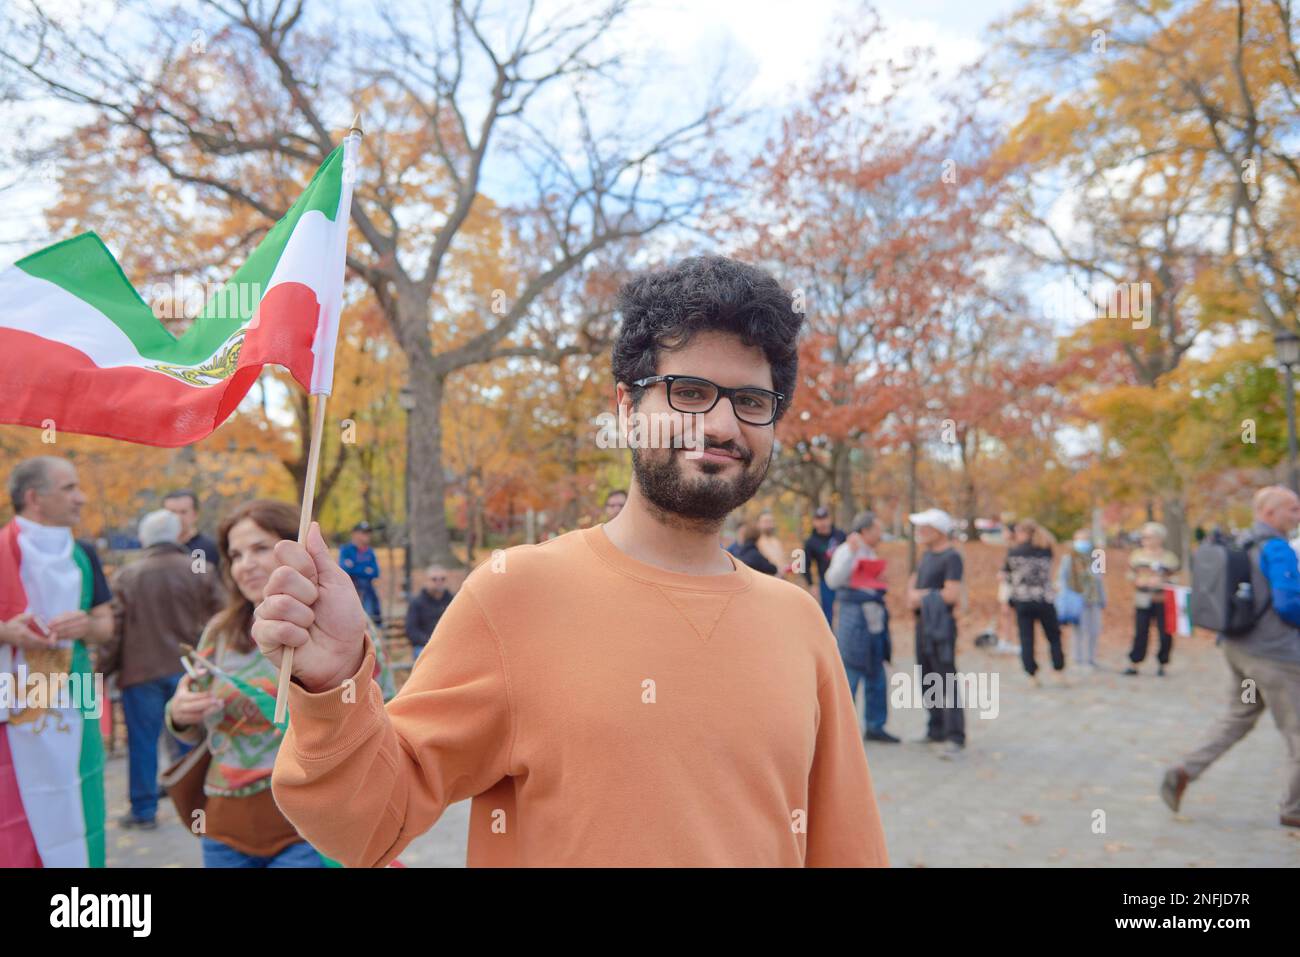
[
  {"x": 912, "y": 462},
  {"x": 844, "y": 483},
  {"x": 1173, "y": 511},
  {"x": 430, "y": 541}
]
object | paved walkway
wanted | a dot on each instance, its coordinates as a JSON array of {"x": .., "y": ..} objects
[
  {"x": 1027, "y": 790},
  {"x": 1025, "y": 793}
]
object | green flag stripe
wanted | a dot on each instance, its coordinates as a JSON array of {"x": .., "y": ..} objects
[
  {"x": 90, "y": 762},
  {"x": 84, "y": 267},
  {"x": 265, "y": 703}
]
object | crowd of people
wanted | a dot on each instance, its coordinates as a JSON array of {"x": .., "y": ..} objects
[
  {"x": 184, "y": 588},
  {"x": 593, "y": 694},
  {"x": 183, "y": 596},
  {"x": 1046, "y": 591}
]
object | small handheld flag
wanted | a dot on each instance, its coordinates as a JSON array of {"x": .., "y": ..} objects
[{"x": 82, "y": 351}]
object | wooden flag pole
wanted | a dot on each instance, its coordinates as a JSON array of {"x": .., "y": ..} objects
[
  {"x": 309, "y": 488},
  {"x": 304, "y": 525}
]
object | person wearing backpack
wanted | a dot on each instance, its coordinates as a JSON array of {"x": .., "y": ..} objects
[{"x": 1264, "y": 658}]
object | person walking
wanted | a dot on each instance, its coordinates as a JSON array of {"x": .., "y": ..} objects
[
  {"x": 1264, "y": 664},
  {"x": 159, "y": 603},
  {"x": 1150, "y": 566},
  {"x": 1077, "y": 575},
  {"x": 858, "y": 575},
  {"x": 1028, "y": 568}
]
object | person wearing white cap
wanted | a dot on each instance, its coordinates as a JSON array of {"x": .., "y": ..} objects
[{"x": 938, "y": 574}]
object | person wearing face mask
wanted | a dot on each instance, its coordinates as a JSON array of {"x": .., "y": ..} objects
[
  {"x": 243, "y": 825},
  {"x": 1077, "y": 575}
]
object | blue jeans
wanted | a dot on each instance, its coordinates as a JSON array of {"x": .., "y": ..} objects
[
  {"x": 828, "y": 600},
  {"x": 302, "y": 854},
  {"x": 872, "y": 674},
  {"x": 369, "y": 599},
  {"x": 142, "y": 706}
]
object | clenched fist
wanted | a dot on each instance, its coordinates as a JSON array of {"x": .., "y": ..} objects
[{"x": 310, "y": 604}]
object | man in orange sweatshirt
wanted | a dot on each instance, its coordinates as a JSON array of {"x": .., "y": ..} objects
[{"x": 622, "y": 695}]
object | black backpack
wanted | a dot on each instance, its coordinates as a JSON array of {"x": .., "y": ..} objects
[{"x": 1223, "y": 589}]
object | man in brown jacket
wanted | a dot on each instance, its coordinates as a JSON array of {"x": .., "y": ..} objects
[{"x": 159, "y": 600}]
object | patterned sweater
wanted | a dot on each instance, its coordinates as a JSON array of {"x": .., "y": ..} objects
[{"x": 243, "y": 742}]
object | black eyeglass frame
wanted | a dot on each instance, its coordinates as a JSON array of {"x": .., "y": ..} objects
[{"x": 722, "y": 390}]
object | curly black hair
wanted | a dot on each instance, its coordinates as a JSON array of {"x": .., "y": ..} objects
[{"x": 665, "y": 308}]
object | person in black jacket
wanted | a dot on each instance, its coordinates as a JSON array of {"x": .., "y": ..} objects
[
  {"x": 1028, "y": 569},
  {"x": 746, "y": 549},
  {"x": 817, "y": 551},
  {"x": 932, "y": 594},
  {"x": 426, "y": 609}
]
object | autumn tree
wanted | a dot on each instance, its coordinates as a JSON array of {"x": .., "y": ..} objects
[
  {"x": 454, "y": 99},
  {"x": 873, "y": 219},
  {"x": 1167, "y": 131}
]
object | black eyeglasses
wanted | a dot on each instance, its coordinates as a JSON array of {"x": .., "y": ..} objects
[{"x": 694, "y": 395}]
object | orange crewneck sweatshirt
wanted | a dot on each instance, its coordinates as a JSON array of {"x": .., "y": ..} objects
[{"x": 600, "y": 712}]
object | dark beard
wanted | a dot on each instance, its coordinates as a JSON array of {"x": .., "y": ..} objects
[{"x": 711, "y": 499}]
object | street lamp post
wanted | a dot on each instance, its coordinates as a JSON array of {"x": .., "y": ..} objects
[
  {"x": 1287, "y": 344},
  {"x": 406, "y": 399}
]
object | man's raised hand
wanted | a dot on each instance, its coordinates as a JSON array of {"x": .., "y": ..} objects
[{"x": 310, "y": 604}]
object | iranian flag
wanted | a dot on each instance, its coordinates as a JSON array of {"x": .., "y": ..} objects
[
  {"x": 81, "y": 351},
  {"x": 51, "y": 752},
  {"x": 1178, "y": 610}
]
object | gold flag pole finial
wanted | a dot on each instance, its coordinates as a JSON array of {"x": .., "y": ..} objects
[{"x": 356, "y": 126}]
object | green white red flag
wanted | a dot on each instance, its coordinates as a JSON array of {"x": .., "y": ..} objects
[
  {"x": 1178, "y": 610},
  {"x": 81, "y": 350}
]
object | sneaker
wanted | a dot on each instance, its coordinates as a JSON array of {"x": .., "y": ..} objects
[
  {"x": 130, "y": 822},
  {"x": 1130, "y": 670},
  {"x": 1172, "y": 787},
  {"x": 951, "y": 750},
  {"x": 881, "y": 735}
]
